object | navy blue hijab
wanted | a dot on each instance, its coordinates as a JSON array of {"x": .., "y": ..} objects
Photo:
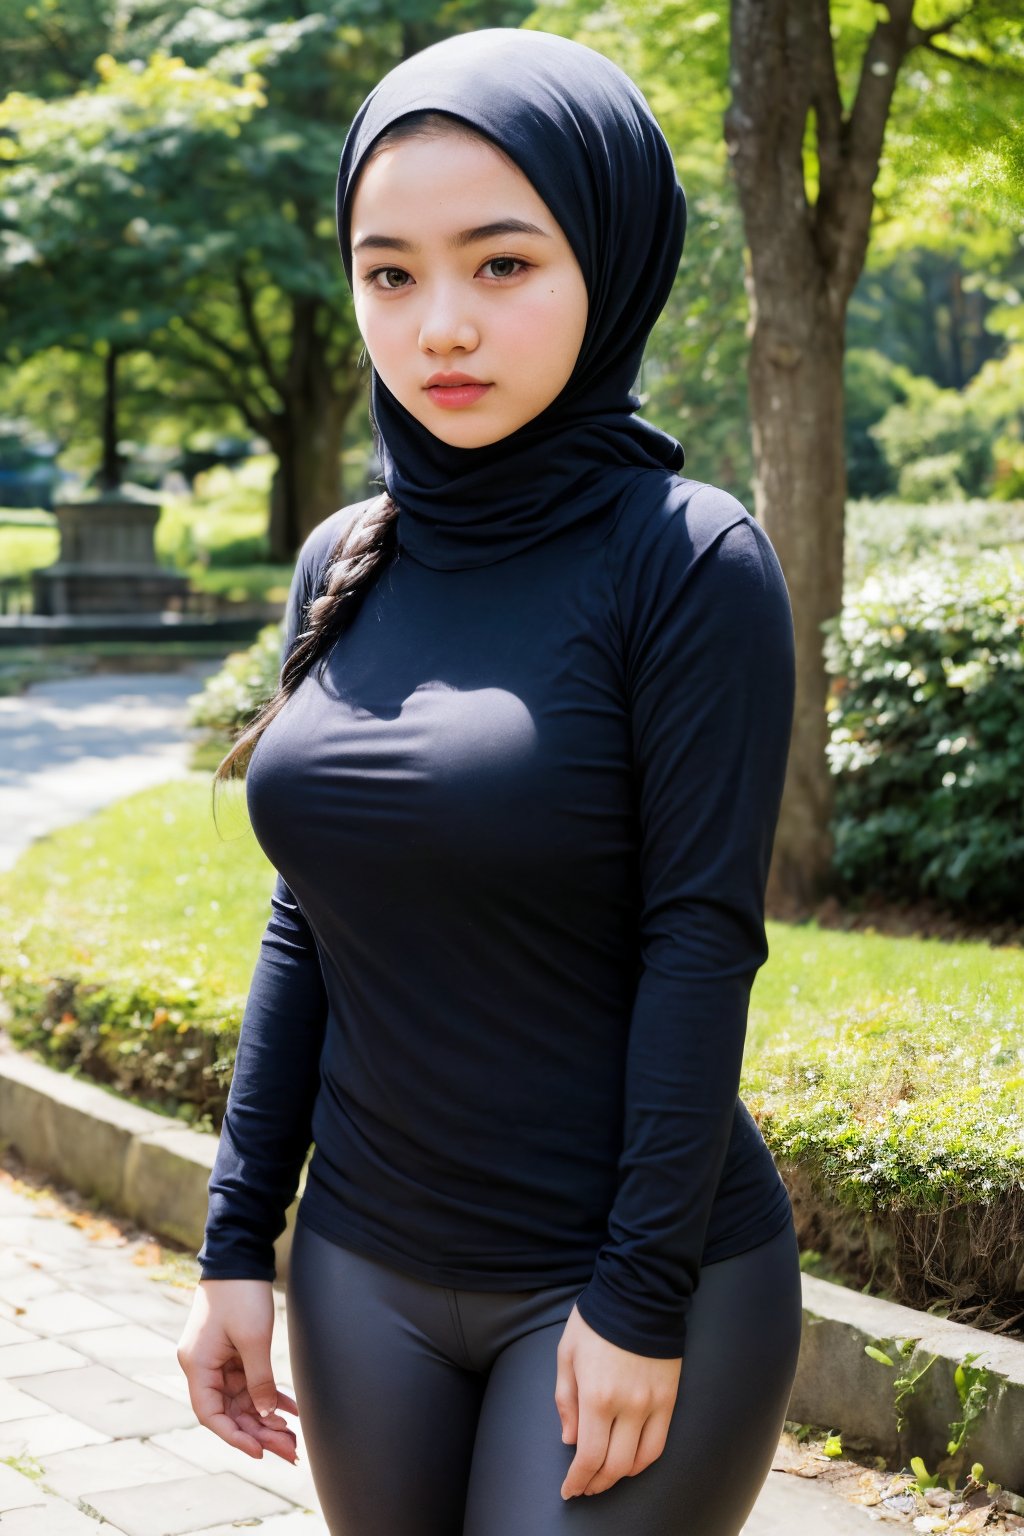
[{"x": 584, "y": 136}]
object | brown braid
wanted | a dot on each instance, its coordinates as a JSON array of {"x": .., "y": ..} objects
[{"x": 351, "y": 566}]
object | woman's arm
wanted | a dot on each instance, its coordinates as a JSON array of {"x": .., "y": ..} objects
[
  {"x": 711, "y": 679},
  {"x": 266, "y": 1131}
]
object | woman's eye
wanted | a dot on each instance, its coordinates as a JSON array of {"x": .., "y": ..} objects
[
  {"x": 388, "y": 277},
  {"x": 505, "y": 266}
]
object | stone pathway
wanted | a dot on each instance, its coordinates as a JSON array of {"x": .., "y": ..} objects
[
  {"x": 97, "y": 1434},
  {"x": 96, "y": 1430},
  {"x": 69, "y": 747}
]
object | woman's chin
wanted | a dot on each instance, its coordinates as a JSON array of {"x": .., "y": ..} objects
[{"x": 464, "y": 434}]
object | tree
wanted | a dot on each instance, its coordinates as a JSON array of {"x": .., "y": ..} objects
[
  {"x": 806, "y": 167},
  {"x": 213, "y": 243},
  {"x": 84, "y": 269}
]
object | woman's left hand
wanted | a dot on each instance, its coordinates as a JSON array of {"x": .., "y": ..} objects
[{"x": 615, "y": 1407}]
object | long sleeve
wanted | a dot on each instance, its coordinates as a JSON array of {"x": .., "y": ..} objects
[
  {"x": 266, "y": 1131},
  {"x": 710, "y": 673}
]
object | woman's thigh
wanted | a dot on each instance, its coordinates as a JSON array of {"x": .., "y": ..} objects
[
  {"x": 388, "y": 1412},
  {"x": 743, "y": 1337}
]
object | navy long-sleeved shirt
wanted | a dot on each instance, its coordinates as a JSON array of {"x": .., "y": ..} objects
[{"x": 522, "y": 832}]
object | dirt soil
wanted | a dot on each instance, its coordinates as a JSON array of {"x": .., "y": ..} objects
[
  {"x": 893, "y": 1496},
  {"x": 915, "y": 919}
]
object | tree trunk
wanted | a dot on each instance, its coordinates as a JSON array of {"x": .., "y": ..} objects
[
  {"x": 307, "y": 438},
  {"x": 796, "y": 405},
  {"x": 804, "y": 260}
]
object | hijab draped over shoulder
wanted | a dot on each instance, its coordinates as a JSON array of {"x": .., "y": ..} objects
[{"x": 584, "y": 136}]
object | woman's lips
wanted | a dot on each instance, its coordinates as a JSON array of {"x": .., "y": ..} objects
[{"x": 452, "y": 397}]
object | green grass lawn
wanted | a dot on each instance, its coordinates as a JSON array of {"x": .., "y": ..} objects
[
  {"x": 23, "y": 548},
  {"x": 145, "y": 886}
]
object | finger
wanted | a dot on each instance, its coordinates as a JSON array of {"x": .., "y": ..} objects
[
  {"x": 249, "y": 1420},
  {"x": 621, "y": 1453},
  {"x": 566, "y": 1400},
  {"x": 594, "y": 1429},
  {"x": 281, "y": 1442},
  {"x": 653, "y": 1438},
  {"x": 207, "y": 1396},
  {"x": 259, "y": 1373}
]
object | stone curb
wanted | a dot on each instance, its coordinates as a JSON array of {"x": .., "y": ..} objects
[{"x": 140, "y": 1164}]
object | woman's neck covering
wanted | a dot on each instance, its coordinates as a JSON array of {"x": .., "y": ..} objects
[{"x": 583, "y": 134}]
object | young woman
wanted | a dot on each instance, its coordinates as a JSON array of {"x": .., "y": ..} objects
[{"x": 520, "y": 784}]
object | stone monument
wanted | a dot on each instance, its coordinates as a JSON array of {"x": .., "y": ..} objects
[{"x": 107, "y": 562}]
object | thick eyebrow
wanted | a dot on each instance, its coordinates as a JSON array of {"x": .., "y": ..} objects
[{"x": 464, "y": 238}]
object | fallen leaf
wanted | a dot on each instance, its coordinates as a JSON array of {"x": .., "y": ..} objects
[{"x": 148, "y": 1253}]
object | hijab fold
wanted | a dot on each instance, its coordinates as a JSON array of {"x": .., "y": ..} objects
[{"x": 584, "y": 136}]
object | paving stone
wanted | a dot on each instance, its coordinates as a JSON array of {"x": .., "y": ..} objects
[
  {"x": 17, "y": 1254},
  {"x": 44, "y": 1433},
  {"x": 152, "y": 1308},
  {"x": 186, "y": 1505},
  {"x": 55, "y": 1518},
  {"x": 205, "y": 1449},
  {"x": 108, "y": 1401},
  {"x": 17, "y": 1490},
  {"x": 36, "y": 1356},
  {"x": 65, "y": 1312},
  {"x": 108, "y": 1277},
  {"x": 15, "y": 1404},
  {"x": 303, "y": 1522},
  {"x": 43, "y": 1235},
  {"x": 25, "y": 1279},
  {"x": 118, "y": 1464},
  {"x": 12, "y": 1333},
  {"x": 12, "y": 1202},
  {"x": 796, "y": 1506},
  {"x": 170, "y": 1383},
  {"x": 126, "y": 1347},
  {"x": 12, "y": 1259}
]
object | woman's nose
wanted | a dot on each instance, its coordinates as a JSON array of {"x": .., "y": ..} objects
[{"x": 446, "y": 327}]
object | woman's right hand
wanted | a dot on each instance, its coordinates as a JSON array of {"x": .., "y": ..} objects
[{"x": 224, "y": 1351}]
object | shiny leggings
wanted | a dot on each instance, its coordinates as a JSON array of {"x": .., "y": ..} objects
[{"x": 430, "y": 1411}]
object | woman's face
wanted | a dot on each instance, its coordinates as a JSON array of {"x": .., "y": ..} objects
[{"x": 467, "y": 293}]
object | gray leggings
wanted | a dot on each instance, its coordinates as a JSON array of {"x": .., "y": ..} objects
[{"x": 429, "y": 1411}]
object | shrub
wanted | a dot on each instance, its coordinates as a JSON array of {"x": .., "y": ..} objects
[
  {"x": 933, "y": 422},
  {"x": 931, "y": 479},
  {"x": 232, "y": 696},
  {"x": 927, "y": 733}
]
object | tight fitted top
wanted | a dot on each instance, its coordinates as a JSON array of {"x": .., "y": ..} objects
[{"x": 522, "y": 828}]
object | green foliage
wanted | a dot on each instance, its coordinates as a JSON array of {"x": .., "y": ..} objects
[
  {"x": 871, "y": 385},
  {"x": 931, "y": 479},
  {"x": 927, "y": 732},
  {"x": 943, "y": 427},
  {"x": 973, "y": 1384},
  {"x": 222, "y": 520},
  {"x": 234, "y": 695},
  {"x": 887, "y": 534}
]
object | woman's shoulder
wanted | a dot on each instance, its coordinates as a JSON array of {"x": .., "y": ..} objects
[
  {"x": 672, "y": 516},
  {"x": 669, "y": 526},
  {"x": 683, "y": 547}
]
